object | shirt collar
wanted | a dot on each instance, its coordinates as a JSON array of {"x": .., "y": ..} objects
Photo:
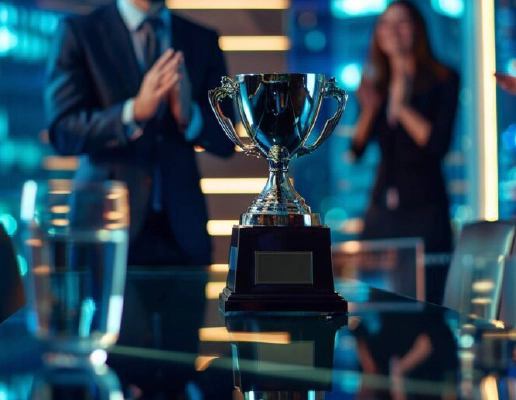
[{"x": 133, "y": 16}]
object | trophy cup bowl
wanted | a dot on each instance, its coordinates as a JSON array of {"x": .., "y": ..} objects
[{"x": 279, "y": 239}]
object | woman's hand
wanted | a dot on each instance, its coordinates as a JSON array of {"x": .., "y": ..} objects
[
  {"x": 506, "y": 82},
  {"x": 370, "y": 101},
  {"x": 399, "y": 94},
  {"x": 368, "y": 96}
]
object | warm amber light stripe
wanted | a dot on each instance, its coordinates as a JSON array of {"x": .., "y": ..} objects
[
  {"x": 219, "y": 267},
  {"x": 483, "y": 286},
  {"x": 114, "y": 215},
  {"x": 34, "y": 242},
  {"x": 221, "y": 334},
  {"x": 481, "y": 300},
  {"x": 232, "y": 185},
  {"x": 254, "y": 43},
  {"x": 60, "y": 209},
  {"x": 354, "y": 225},
  {"x": 213, "y": 290},
  {"x": 60, "y": 222},
  {"x": 203, "y": 362},
  {"x": 60, "y": 183},
  {"x": 228, "y": 4},
  {"x": 350, "y": 247},
  {"x": 114, "y": 196},
  {"x": 488, "y": 100},
  {"x": 54, "y": 163},
  {"x": 220, "y": 227},
  {"x": 489, "y": 388},
  {"x": 42, "y": 269}
]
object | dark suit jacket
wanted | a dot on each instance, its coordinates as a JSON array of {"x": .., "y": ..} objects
[
  {"x": 415, "y": 171},
  {"x": 93, "y": 70}
]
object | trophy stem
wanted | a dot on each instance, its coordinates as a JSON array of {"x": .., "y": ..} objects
[{"x": 279, "y": 201}]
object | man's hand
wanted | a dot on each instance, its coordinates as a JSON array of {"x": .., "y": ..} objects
[
  {"x": 155, "y": 86},
  {"x": 506, "y": 82},
  {"x": 180, "y": 95}
]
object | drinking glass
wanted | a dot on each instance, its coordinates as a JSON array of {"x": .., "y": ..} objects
[
  {"x": 76, "y": 238},
  {"x": 76, "y": 384}
]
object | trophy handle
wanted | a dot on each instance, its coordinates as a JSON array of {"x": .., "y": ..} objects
[
  {"x": 228, "y": 89},
  {"x": 330, "y": 90}
]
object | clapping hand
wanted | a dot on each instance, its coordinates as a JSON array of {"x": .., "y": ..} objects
[
  {"x": 156, "y": 84},
  {"x": 506, "y": 82},
  {"x": 368, "y": 96},
  {"x": 180, "y": 95}
]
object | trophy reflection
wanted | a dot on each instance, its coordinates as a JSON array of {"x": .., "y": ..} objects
[
  {"x": 280, "y": 255},
  {"x": 283, "y": 358}
]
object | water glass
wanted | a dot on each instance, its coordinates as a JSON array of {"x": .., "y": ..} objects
[{"x": 76, "y": 239}]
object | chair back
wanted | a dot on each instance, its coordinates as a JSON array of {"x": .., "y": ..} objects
[
  {"x": 12, "y": 296},
  {"x": 475, "y": 276}
]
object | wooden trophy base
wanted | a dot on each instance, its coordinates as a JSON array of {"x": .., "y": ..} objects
[{"x": 281, "y": 270}]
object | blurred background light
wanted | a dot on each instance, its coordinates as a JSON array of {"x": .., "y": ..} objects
[
  {"x": 4, "y": 392},
  {"x": 9, "y": 223},
  {"x": 335, "y": 218},
  {"x": 30, "y": 154},
  {"x": 511, "y": 67},
  {"x": 450, "y": 8},
  {"x": 463, "y": 213},
  {"x": 25, "y": 33},
  {"x": 8, "y": 40},
  {"x": 350, "y": 75},
  {"x": 22, "y": 265},
  {"x": 307, "y": 19},
  {"x": 8, "y": 14},
  {"x": 315, "y": 40},
  {"x": 4, "y": 14},
  {"x": 4, "y": 124},
  {"x": 357, "y": 8},
  {"x": 508, "y": 138}
]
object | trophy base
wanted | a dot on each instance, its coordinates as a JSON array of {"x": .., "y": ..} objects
[{"x": 281, "y": 270}]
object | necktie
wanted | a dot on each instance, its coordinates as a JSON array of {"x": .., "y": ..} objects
[{"x": 151, "y": 28}]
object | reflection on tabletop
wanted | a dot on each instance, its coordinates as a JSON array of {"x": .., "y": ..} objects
[{"x": 175, "y": 344}]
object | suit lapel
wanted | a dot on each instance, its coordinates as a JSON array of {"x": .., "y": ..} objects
[
  {"x": 177, "y": 39},
  {"x": 121, "y": 52},
  {"x": 182, "y": 40}
]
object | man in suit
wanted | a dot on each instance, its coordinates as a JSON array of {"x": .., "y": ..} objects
[{"x": 127, "y": 91}]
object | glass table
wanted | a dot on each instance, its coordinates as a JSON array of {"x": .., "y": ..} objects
[{"x": 175, "y": 344}]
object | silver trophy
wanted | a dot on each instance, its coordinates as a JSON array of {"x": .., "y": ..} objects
[
  {"x": 278, "y": 112},
  {"x": 280, "y": 254}
]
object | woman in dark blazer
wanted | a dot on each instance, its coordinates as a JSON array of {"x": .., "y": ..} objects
[{"x": 408, "y": 103}]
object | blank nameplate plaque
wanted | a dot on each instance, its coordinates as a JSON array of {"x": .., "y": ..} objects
[{"x": 283, "y": 268}]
